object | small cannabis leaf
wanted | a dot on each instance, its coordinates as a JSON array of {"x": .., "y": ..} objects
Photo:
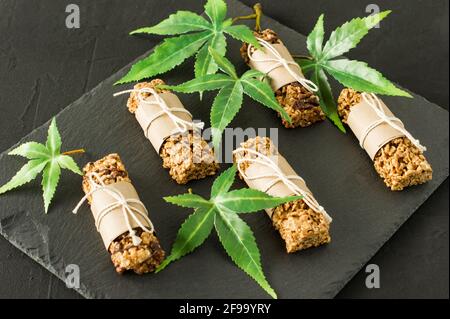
[
  {"x": 354, "y": 74},
  {"x": 221, "y": 212},
  {"x": 47, "y": 159},
  {"x": 202, "y": 34},
  {"x": 231, "y": 90}
]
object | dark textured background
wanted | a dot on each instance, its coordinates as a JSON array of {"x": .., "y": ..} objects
[{"x": 44, "y": 66}]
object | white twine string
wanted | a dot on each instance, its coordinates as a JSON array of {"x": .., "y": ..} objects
[
  {"x": 280, "y": 61},
  {"x": 374, "y": 102},
  {"x": 127, "y": 210},
  {"x": 182, "y": 125},
  {"x": 279, "y": 176}
]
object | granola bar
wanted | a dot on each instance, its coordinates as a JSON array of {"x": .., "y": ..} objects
[
  {"x": 300, "y": 226},
  {"x": 400, "y": 163},
  {"x": 302, "y": 105},
  {"x": 142, "y": 258},
  {"x": 187, "y": 156}
]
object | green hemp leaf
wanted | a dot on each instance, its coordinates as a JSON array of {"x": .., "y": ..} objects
[
  {"x": 47, "y": 159},
  {"x": 354, "y": 74},
  {"x": 231, "y": 90},
  {"x": 221, "y": 212},
  {"x": 196, "y": 34}
]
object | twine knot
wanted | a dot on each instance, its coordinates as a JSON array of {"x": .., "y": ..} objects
[
  {"x": 374, "y": 102},
  {"x": 279, "y": 176},
  {"x": 128, "y": 211},
  {"x": 182, "y": 125},
  {"x": 280, "y": 61}
]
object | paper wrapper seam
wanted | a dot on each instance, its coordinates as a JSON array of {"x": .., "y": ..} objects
[
  {"x": 113, "y": 224},
  {"x": 299, "y": 225},
  {"x": 361, "y": 117},
  {"x": 125, "y": 256},
  {"x": 302, "y": 105},
  {"x": 186, "y": 155},
  {"x": 399, "y": 162},
  {"x": 279, "y": 76},
  {"x": 158, "y": 129},
  {"x": 279, "y": 189}
]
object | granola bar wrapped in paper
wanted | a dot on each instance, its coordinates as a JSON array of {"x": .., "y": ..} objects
[
  {"x": 296, "y": 97},
  {"x": 120, "y": 217},
  {"x": 397, "y": 156},
  {"x": 183, "y": 151},
  {"x": 301, "y": 223}
]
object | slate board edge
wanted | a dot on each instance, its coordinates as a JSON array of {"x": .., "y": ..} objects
[
  {"x": 384, "y": 241},
  {"x": 84, "y": 292}
]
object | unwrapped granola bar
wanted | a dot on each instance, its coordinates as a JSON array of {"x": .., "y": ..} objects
[
  {"x": 301, "y": 104},
  {"x": 186, "y": 155},
  {"x": 299, "y": 225},
  {"x": 399, "y": 162},
  {"x": 125, "y": 255}
]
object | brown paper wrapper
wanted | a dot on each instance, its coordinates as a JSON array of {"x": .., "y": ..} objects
[
  {"x": 279, "y": 189},
  {"x": 113, "y": 224},
  {"x": 157, "y": 130},
  {"x": 279, "y": 76},
  {"x": 299, "y": 225},
  {"x": 362, "y": 116}
]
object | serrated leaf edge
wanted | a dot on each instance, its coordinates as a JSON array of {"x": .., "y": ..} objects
[{"x": 257, "y": 262}]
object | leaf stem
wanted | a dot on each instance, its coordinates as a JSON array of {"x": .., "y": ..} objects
[
  {"x": 247, "y": 17},
  {"x": 299, "y": 56},
  {"x": 77, "y": 151},
  {"x": 258, "y": 12},
  {"x": 257, "y": 16}
]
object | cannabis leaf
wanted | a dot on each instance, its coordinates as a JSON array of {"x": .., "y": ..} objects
[
  {"x": 47, "y": 159},
  {"x": 231, "y": 88},
  {"x": 201, "y": 35},
  {"x": 221, "y": 212},
  {"x": 354, "y": 74}
]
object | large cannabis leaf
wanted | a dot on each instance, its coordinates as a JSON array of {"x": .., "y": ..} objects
[
  {"x": 47, "y": 159},
  {"x": 202, "y": 34},
  {"x": 231, "y": 90},
  {"x": 221, "y": 212},
  {"x": 355, "y": 74}
]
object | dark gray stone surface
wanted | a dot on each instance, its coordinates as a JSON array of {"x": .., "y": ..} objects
[
  {"x": 38, "y": 55},
  {"x": 345, "y": 188}
]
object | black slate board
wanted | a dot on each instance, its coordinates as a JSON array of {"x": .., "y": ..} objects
[{"x": 365, "y": 212}]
